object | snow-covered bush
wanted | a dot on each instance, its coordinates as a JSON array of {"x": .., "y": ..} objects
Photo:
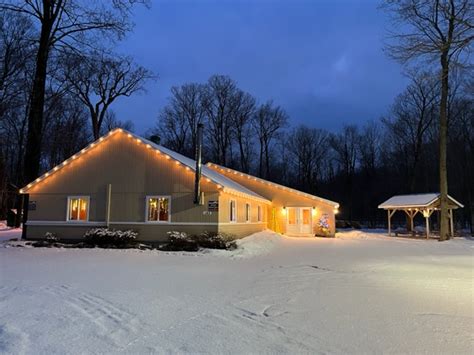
[
  {"x": 51, "y": 237},
  {"x": 105, "y": 237},
  {"x": 213, "y": 240},
  {"x": 180, "y": 241}
]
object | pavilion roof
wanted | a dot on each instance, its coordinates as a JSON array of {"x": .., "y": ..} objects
[{"x": 416, "y": 201}]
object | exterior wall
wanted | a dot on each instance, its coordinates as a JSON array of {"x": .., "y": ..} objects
[
  {"x": 134, "y": 173},
  {"x": 241, "y": 228},
  {"x": 283, "y": 198}
]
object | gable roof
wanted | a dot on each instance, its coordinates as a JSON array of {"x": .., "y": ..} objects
[
  {"x": 222, "y": 182},
  {"x": 263, "y": 181},
  {"x": 414, "y": 201}
]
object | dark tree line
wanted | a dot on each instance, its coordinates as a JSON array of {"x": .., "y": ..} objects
[{"x": 360, "y": 166}]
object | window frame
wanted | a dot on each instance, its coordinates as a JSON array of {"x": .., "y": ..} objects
[
  {"x": 259, "y": 213},
  {"x": 68, "y": 209},
  {"x": 234, "y": 220},
  {"x": 248, "y": 212},
  {"x": 147, "y": 205}
]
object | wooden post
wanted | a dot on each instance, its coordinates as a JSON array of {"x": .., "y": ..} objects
[
  {"x": 107, "y": 207},
  {"x": 427, "y": 227},
  {"x": 390, "y": 214},
  {"x": 451, "y": 224}
]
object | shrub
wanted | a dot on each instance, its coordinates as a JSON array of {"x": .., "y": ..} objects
[
  {"x": 180, "y": 241},
  {"x": 213, "y": 240},
  {"x": 51, "y": 237},
  {"x": 105, "y": 237}
]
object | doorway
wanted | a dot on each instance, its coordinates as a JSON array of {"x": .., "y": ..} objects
[{"x": 299, "y": 221}]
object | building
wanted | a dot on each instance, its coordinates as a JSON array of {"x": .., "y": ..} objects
[{"x": 124, "y": 181}]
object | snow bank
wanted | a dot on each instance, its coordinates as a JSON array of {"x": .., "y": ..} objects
[{"x": 257, "y": 244}]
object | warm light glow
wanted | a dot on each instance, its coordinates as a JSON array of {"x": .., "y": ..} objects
[
  {"x": 92, "y": 145},
  {"x": 208, "y": 180},
  {"x": 101, "y": 139},
  {"x": 129, "y": 135},
  {"x": 29, "y": 185},
  {"x": 336, "y": 211},
  {"x": 148, "y": 146},
  {"x": 283, "y": 210},
  {"x": 177, "y": 162},
  {"x": 138, "y": 140},
  {"x": 74, "y": 157},
  {"x": 47, "y": 174},
  {"x": 187, "y": 168},
  {"x": 219, "y": 186},
  {"x": 21, "y": 191},
  {"x": 167, "y": 156},
  {"x": 314, "y": 211}
]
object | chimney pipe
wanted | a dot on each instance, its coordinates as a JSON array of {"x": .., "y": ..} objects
[{"x": 197, "y": 187}]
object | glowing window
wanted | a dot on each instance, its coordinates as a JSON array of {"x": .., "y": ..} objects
[
  {"x": 306, "y": 216},
  {"x": 158, "y": 208},
  {"x": 78, "y": 208},
  {"x": 291, "y": 216},
  {"x": 232, "y": 211},
  {"x": 247, "y": 212}
]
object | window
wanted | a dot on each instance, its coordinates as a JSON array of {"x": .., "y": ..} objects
[
  {"x": 259, "y": 213},
  {"x": 78, "y": 208},
  {"x": 247, "y": 212},
  {"x": 232, "y": 212},
  {"x": 158, "y": 208}
]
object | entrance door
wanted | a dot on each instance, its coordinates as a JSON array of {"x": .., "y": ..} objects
[{"x": 298, "y": 220}]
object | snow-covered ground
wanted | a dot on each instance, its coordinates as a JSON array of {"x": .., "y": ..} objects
[{"x": 357, "y": 293}]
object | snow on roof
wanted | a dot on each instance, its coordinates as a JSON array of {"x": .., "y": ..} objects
[
  {"x": 227, "y": 184},
  {"x": 329, "y": 202},
  {"x": 415, "y": 200},
  {"x": 207, "y": 172}
]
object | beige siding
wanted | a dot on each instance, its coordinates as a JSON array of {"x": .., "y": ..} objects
[
  {"x": 281, "y": 198},
  {"x": 134, "y": 173},
  {"x": 241, "y": 227}
]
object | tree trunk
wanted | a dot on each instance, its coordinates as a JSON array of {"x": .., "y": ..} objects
[
  {"x": 443, "y": 132},
  {"x": 35, "y": 114}
]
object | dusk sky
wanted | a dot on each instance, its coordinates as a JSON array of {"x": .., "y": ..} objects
[{"x": 321, "y": 60}]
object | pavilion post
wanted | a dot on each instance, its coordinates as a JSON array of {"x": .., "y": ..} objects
[
  {"x": 451, "y": 224},
  {"x": 390, "y": 214},
  {"x": 389, "y": 227},
  {"x": 427, "y": 227}
]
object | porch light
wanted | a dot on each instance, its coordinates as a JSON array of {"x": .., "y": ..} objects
[
  {"x": 336, "y": 211},
  {"x": 284, "y": 210},
  {"x": 314, "y": 210}
]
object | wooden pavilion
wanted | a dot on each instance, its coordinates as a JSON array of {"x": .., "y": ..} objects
[{"x": 425, "y": 204}]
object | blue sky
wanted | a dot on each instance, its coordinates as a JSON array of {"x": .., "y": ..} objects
[{"x": 321, "y": 60}]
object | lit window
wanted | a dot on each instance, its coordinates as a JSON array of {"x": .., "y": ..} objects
[
  {"x": 259, "y": 213},
  {"x": 247, "y": 212},
  {"x": 158, "y": 208},
  {"x": 232, "y": 212},
  {"x": 78, "y": 208}
]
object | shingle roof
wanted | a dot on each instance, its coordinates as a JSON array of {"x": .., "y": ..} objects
[{"x": 415, "y": 200}]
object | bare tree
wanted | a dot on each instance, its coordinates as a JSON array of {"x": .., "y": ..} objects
[
  {"x": 434, "y": 30},
  {"x": 242, "y": 115},
  {"x": 62, "y": 23},
  {"x": 308, "y": 147},
  {"x": 220, "y": 107},
  {"x": 412, "y": 115},
  {"x": 268, "y": 122},
  {"x": 178, "y": 120},
  {"x": 345, "y": 146},
  {"x": 99, "y": 80},
  {"x": 111, "y": 122}
]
